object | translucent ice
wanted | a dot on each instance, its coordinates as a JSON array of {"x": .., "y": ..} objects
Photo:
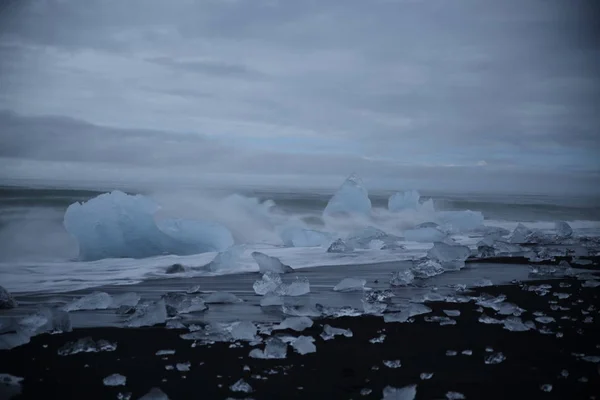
[
  {"x": 271, "y": 299},
  {"x": 227, "y": 259},
  {"x": 6, "y": 300},
  {"x": 451, "y": 257},
  {"x": 275, "y": 348},
  {"x": 405, "y": 393},
  {"x": 452, "y": 313},
  {"x": 339, "y": 246},
  {"x": 401, "y": 201},
  {"x": 460, "y": 221},
  {"x": 295, "y": 323},
  {"x": 270, "y": 264},
  {"x": 241, "y": 386},
  {"x": 520, "y": 234},
  {"x": 330, "y": 332},
  {"x": 350, "y": 285},
  {"x": 402, "y": 278},
  {"x": 563, "y": 229},
  {"x": 424, "y": 235},
  {"x": 92, "y": 301},
  {"x": 116, "y": 225},
  {"x": 45, "y": 319},
  {"x": 222, "y": 298},
  {"x": 149, "y": 314},
  {"x": 115, "y": 380},
  {"x": 515, "y": 324},
  {"x": 181, "y": 303},
  {"x": 351, "y": 198},
  {"x": 269, "y": 282},
  {"x": 367, "y": 237},
  {"x": 299, "y": 286},
  {"x": 426, "y": 269},
  {"x": 300, "y": 237},
  {"x": 86, "y": 345},
  {"x": 495, "y": 358},
  {"x": 155, "y": 394},
  {"x": 392, "y": 363},
  {"x": 411, "y": 310},
  {"x": 304, "y": 345},
  {"x": 245, "y": 330}
]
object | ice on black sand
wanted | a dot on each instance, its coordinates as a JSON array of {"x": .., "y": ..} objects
[
  {"x": 149, "y": 314},
  {"x": 86, "y": 345},
  {"x": 304, "y": 345},
  {"x": 405, "y": 393},
  {"x": 275, "y": 348},
  {"x": 155, "y": 394},
  {"x": 244, "y": 330},
  {"x": 295, "y": 323},
  {"x": 115, "y": 380},
  {"x": 495, "y": 358},
  {"x": 455, "y": 396},
  {"x": 330, "y": 332},
  {"x": 241, "y": 386}
]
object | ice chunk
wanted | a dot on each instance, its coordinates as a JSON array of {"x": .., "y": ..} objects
[
  {"x": 411, "y": 310},
  {"x": 304, "y": 345},
  {"x": 270, "y": 264},
  {"x": 451, "y": 257},
  {"x": 546, "y": 387},
  {"x": 460, "y": 221},
  {"x": 241, "y": 386},
  {"x": 92, "y": 301},
  {"x": 299, "y": 237},
  {"x": 426, "y": 269},
  {"x": 165, "y": 352},
  {"x": 175, "y": 269},
  {"x": 222, "y": 298},
  {"x": 452, "y": 313},
  {"x": 10, "y": 386},
  {"x": 520, "y": 234},
  {"x": 295, "y": 323},
  {"x": 545, "y": 320},
  {"x": 378, "y": 339},
  {"x": 86, "y": 345},
  {"x": 269, "y": 283},
  {"x": 483, "y": 282},
  {"x": 129, "y": 299},
  {"x": 484, "y": 319},
  {"x": 408, "y": 200},
  {"x": 330, "y": 332},
  {"x": 46, "y": 319},
  {"x": 515, "y": 324},
  {"x": 275, "y": 348},
  {"x": 424, "y": 235},
  {"x": 271, "y": 299},
  {"x": 337, "y": 312},
  {"x": 426, "y": 376},
  {"x": 563, "y": 229},
  {"x": 115, "y": 380},
  {"x": 502, "y": 248},
  {"x": 350, "y": 285},
  {"x": 245, "y": 330},
  {"x": 298, "y": 287},
  {"x": 339, "y": 246},
  {"x": 351, "y": 198},
  {"x": 183, "y": 367},
  {"x": 6, "y": 300},
  {"x": 181, "y": 303},
  {"x": 116, "y": 225},
  {"x": 405, "y": 393},
  {"x": 402, "y": 278},
  {"x": 495, "y": 358},
  {"x": 455, "y": 396},
  {"x": 226, "y": 260},
  {"x": 392, "y": 363},
  {"x": 155, "y": 394},
  {"x": 149, "y": 314}
]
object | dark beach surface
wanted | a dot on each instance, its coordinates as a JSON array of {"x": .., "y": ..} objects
[{"x": 562, "y": 351}]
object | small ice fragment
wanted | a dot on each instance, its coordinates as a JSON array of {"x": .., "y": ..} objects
[
  {"x": 268, "y": 283},
  {"x": 402, "y": 278},
  {"x": 412, "y": 310},
  {"x": 561, "y": 296},
  {"x": 241, "y": 386},
  {"x": 426, "y": 376},
  {"x": 546, "y": 387},
  {"x": 155, "y": 394},
  {"x": 92, "y": 301},
  {"x": 165, "y": 352},
  {"x": 564, "y": 373},
  {"x": 350, "y": 285},
  {"x": 295, "y": 323},
  {"x": 10, "y": 386},
  {"x": 86, "y": 345},
  {"x": 222, "y": 298},
  {"x": 271, "y": 299},
  {"x": 378, "y": 339},
  {"x": 427, "y": 269},
  {"x": 183, "y": 367},
  {"x": 275, "y": 348},
  {"x": 515, "y": 324},
  {"x": 545, "y": 320},
  {"x": 592, "y": 359},
  {"x": 405, "y": 393},
  {"x": 149, "y": 314},
  {"x": 451, "y": 353},
  {"x": 392, "y": 363},
  {"x": 169, "y": 367},
  {"x": 270, "y": 264},
  {"x": 304, "y": 345},
  {"x": 330, "y": 332},
  {"x": 583, "y": 379},
  {"x": 452, "y": 313},
  {"x": 482, "y": 283},
  {"x": 455, "y": 396},
  {"x": 245, "y": 330},
  {"x": 467, "y": 352},
  {"x": 115, "y": 380},
  {"x": 495, "y": 358},
  {"x": 484, "y": 319},
  {"x": 339, "y": 246},
  {"x": 365, "y": 392}
]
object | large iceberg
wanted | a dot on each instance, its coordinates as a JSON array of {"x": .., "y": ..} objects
[
  {"x": 116, "y": 224},
  {"x": 351, "y": 198}
]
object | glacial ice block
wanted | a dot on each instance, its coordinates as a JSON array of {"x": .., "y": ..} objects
[
  {"x": 351, "y": 198},
  {"x": 408, "y": 200}
]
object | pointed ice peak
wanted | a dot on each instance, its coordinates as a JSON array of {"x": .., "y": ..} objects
[{"x": 351, "y": 198}]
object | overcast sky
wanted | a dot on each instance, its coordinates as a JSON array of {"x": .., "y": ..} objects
[{"x": 450, "y": 94}]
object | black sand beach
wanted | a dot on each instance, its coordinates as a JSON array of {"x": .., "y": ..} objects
[{"x": 344, "y": 368}]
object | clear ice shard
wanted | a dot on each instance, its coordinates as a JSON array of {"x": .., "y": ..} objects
[
  {"x": 451, "y": 257},
  {"x": 275, "y": 348},
  {"x": 404, "y": 393},
  {"x": 245, "y": 330},
  {"x": 304, "y": 345},
  {"x": 350, "y": 285},
  {"x": 149, "y": 314},
  {"x": 299, "y": 286},
  {"x": 222, "y": 298},
  {"x": 351, "y": 198},
  {"x": 402, "y": 278},
  {"x": 520, "y": 234},
  {"x": 339, "y": 246},
  {"x": 330, "y": 332},
  {"x": 268, "y": 283},
  {"x": 270, "y": 264},
  {"x": 295, "y": 323},
  {"x": 86, "y": 345},
  {"x": 114, "y": 380},
  {"x": 182, "y": 303}
]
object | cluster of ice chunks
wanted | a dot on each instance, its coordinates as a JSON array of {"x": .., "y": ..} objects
[
  {"x": 451, "y": 257},
  {"x": 86, "y": 345},
  {"x": 350, "y": 285},
  {"x": 351, "y": 198},
  {"x": 275, "y": 348},
  {"x": 272, "y": 283},
  {"x": 330, "y": 332},
  {"x": 45, "y": 319},
  {"x": 270, "y": 264},
  {"x": 402, "y": 278},
  {"x": 103, "y": 301}
]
